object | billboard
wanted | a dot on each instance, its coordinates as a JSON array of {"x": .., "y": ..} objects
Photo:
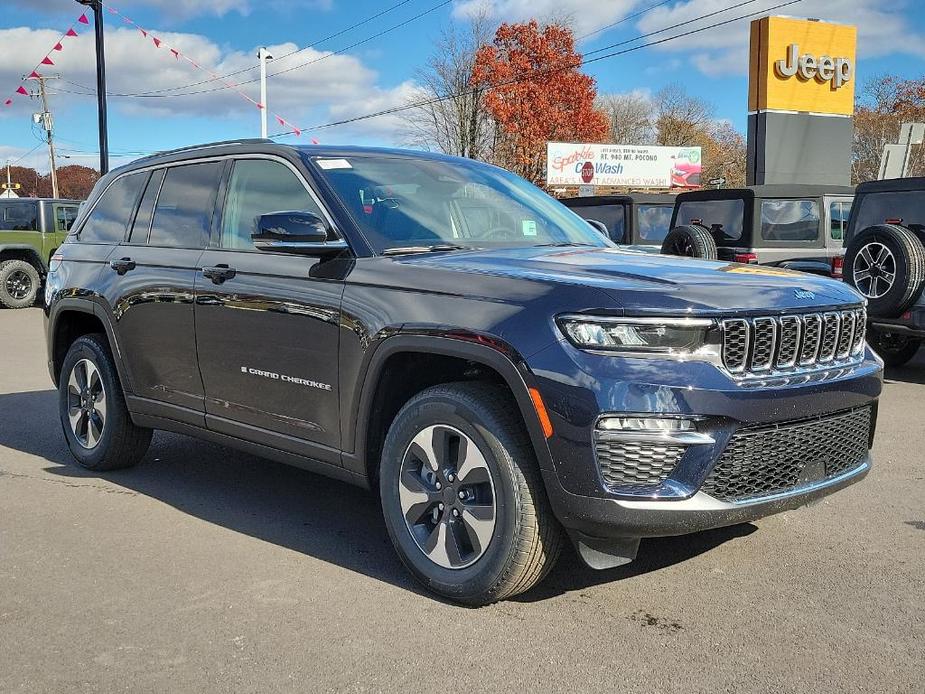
[{"x": 633, "y": 166}]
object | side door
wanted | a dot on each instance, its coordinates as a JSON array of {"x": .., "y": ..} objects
[
  {"x": 268, "y": 323},
  {"x": 150, "y": 286}
]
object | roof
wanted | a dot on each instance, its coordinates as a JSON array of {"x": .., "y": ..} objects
[
  {"x": 67, "y": 200},
  {"x": 893, "y": 185},
  {"x": 771, "y": 190},
  {"x": 650, "y": 198}
]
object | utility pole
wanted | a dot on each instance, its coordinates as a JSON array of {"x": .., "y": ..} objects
[
  {"x": 48, "y": 122},
  {"x": 97, "y": 8},
  {"x": 264, "y": 55}
]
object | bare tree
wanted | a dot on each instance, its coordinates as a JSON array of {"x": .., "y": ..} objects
[
  {"x": 631, "y": 117},
  {"x": 458, "y": 125},
  {"x": 681, "y": 118},
  {"x": 884, "y": 104}
]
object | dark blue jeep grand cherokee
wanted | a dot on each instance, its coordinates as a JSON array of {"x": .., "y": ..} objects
[{"x": 443, "y": 332}]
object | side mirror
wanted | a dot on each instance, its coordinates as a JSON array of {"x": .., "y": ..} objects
[
  {"x": 295, "y": 232},
  {"x": 600, "y": 226}
]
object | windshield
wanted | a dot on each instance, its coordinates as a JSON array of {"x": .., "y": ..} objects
[
  {"x": 653, "y": 222},
  {"x": 789, "y": 220},
  {"x": 406, "y": 202}
]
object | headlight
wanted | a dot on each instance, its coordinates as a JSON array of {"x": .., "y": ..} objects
[{"x": 668, "y": 336}]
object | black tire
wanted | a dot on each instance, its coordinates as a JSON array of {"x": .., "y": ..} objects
[
  {"x": 894, "y": 349},
  {"x": 526, "y": 538},
  {"x": 886, "y": 255},
  {"x": 691, "y": 241},
  {"x": 19, "y": 284},
  {"x": 119, "y": 443}
]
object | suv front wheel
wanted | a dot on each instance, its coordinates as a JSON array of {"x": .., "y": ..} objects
[
  {"x": 462, "y": 496},
  {"x": 96, "y": 423}
]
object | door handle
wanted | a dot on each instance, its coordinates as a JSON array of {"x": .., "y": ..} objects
[
  {"x": 219, "y": 273},
  {"x": 122, "y": 265}
]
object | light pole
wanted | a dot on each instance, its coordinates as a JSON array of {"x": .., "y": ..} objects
[
  {"x": 264, "y": 55},
  {"x": 97, "y": 8}
]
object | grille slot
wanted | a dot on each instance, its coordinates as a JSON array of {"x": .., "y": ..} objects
[
  {"x": 752, "y": 346},
  {"x": 759, "y": 461},
  {"x": 628, "y": 463}
]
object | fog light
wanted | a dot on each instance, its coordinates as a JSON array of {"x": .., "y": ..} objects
[{"x": 654, "y": 424}]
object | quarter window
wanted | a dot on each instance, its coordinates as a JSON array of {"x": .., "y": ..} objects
[
  {"x": 184, "y": 208},
  {"x": 789, "y": 220},
  {"x": 19, "y": 216},
  {"x": 110, "y": 217},
  {"x": 257, "y": 187}
]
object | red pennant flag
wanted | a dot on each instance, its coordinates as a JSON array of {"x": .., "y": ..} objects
[
  {"x": 176, "y": 53},
  {"x": 112, "y": 10},
  {"x": 7, "y": 102},
  {"x": 143, "y": 32},
  {"x": 34, "y": 75},
  {"x": 71, "y": 32},
  {"x": 83, "y": 19},
  {"x": 58, "y": 47},
  {"x": 22, "y": 90},
  {"x": 280, "y": 121},
  {"x": 259, "y": 105},
  {"x": 314, "y": 141},
  {"x": 47, "y": 61},
  {"x": 298, "y": 133},
  {"x": 157, "y": 42}
]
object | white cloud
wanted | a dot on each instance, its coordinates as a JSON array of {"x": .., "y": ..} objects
[
  {"x": 584, "y": 15},
  {"x": 333, "y": 88},
  {"x": 724, "y": 50}
]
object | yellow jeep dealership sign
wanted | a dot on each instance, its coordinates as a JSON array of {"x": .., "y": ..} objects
[{"x": 801, "y": 65}]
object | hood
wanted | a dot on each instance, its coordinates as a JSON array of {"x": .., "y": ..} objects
[{"x": 644, "y": 282}]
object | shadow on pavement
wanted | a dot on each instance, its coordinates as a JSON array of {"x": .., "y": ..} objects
[
  {"x": 293, "y": 508},
  {"x": 913, "y": 372}
]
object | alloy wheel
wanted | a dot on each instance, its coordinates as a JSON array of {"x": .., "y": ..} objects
[
  {"x": 447, "y": 496},
  {"x": 874, "y": 270},
  {"x": 18, "y": 284},
  {"x": 86, "y": 406}
]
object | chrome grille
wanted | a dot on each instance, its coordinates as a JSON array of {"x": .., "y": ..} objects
[
  {"x": 764, "y": 460},
  {"x": 792, "y": 343},
  {"x": 628, "y": 463}
]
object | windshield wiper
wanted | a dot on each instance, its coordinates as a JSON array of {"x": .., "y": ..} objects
[
  {"x": 402, "y": 250},
  {"x": 563, "y": 244}
]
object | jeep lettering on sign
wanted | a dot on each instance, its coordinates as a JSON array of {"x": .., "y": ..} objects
[{"x": 837, "y": 71}]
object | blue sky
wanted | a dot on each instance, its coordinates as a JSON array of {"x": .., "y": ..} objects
[{"x": 224, "y": 35}]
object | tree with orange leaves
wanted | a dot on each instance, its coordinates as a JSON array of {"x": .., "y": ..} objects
[{"x": 536, "y": 93}]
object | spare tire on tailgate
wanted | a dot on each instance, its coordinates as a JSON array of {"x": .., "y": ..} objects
[
  {"x": 693, "y": 241},
  {"x": 886, "y": 263}
]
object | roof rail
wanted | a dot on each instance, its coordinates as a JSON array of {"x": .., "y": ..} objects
[{"x": 192, "y": 148}]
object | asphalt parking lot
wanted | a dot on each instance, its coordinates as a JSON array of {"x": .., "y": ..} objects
[{"x": 204, "y": 569}]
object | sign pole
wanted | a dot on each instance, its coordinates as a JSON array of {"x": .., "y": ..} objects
[{"x": 97, "y": 8}]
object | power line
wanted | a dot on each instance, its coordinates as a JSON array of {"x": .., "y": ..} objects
[
  {"x": 399, "y": 25},
  {"x": 625, "y": 19},
  {"x": 543, "y": 73},
  {"x": 282, "y": 57}
]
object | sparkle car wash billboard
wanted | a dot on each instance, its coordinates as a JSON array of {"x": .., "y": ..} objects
[{"x": 636, "y": 166}]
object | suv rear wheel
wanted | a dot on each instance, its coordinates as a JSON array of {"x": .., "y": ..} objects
[
  {"x": 692, "y": 241},
  {"x": 19, "y": 284},
  {"x": 462, "y": 496},
  {"x": 886, "y": 263},
  {"x": 96, "y": 423}
]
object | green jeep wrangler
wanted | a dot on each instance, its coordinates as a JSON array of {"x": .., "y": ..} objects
[{"x": 30, "y": 232}]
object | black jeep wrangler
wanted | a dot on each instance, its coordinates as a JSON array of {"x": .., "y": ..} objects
[
  {"x": 636, "y": 220},
  {"x": 798, "y": 227},
  {"x": 885, "y": 261}
]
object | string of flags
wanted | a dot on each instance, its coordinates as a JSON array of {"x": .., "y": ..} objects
[
  {"x": 47, "y": 60},
  {"x": 178, "y": 55},
  {"x": 71, "y": 32}
]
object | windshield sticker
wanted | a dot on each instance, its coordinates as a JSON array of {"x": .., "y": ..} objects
[
  {"x": 529, "y": 227},
  {"x": 328, "y": 164}
]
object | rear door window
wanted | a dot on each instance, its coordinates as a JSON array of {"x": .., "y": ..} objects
[
  {"x": 183, "y": 215},
  {"x": 108, "y": 220},
  {"x": 19, "y": 216},
  {"x": 653, "y": 222},
  {"x": 790, "y": 220},
  {"x": 611, "y": 216},
  {"x": 728, "y": 216}
]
